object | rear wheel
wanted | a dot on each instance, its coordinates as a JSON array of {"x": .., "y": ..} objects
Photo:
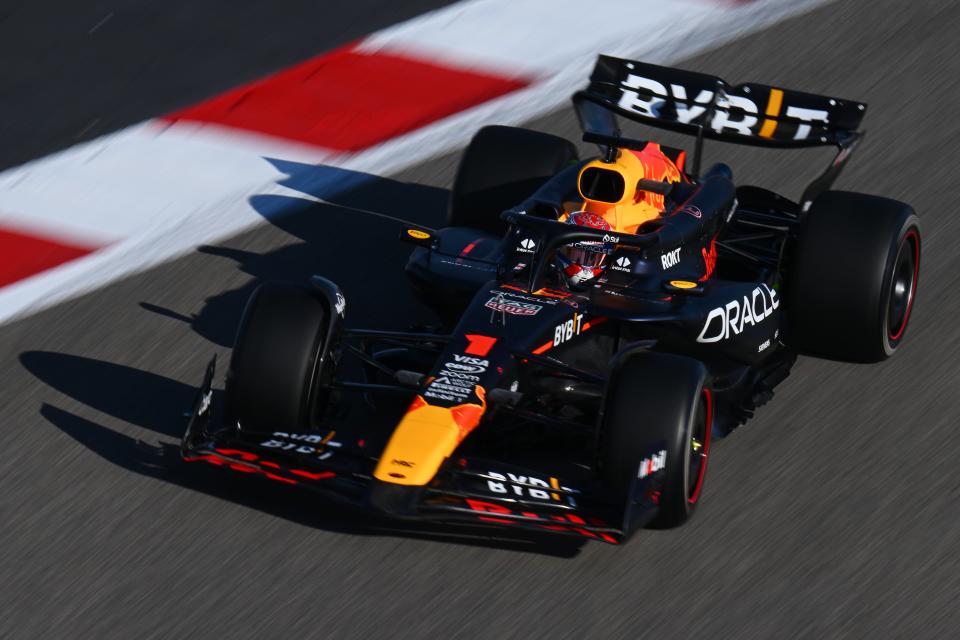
[
  {"x": 278, "y": 373},
  {"x": 853, "y": 278},
  {"x": 500, "y": 168},
  {"x": 655, "y": 436}
]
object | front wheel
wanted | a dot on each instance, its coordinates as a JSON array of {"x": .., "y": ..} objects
[
  {"x": 281, "y": 361},
  {"x": 654, "y": 438}
]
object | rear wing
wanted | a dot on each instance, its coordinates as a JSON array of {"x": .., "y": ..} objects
[{"x": 708, "y": 107}]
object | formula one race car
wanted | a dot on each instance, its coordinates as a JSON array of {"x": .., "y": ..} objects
[{"x": 600, "y": 320}]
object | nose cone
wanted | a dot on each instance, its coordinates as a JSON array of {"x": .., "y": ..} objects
[{"x": 425, "y": 437}]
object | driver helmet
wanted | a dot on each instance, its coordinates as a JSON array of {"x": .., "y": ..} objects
[{"x": 582, "y": 262}]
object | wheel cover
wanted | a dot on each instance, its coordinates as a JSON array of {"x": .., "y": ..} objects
[
  {"x": 699, "y": 447},
  {"x": 903, "y": 286}
]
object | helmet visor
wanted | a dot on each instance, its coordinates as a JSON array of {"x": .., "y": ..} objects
[{"x": 590, "y": 255}]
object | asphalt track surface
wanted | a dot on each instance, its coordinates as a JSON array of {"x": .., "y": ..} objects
[{"x": 832, "y": 514}]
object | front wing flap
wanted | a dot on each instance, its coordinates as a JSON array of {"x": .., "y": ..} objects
[{"x": 491, "y": 492}]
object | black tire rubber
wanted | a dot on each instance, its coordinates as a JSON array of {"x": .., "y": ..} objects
[
  {"x": 657, "y": 398},
  {"x": 500, "y": 168},
  {"x": 273, "y": 367},
  {"x": 852, "y": 279}
]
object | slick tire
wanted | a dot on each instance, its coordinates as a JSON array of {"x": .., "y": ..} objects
[
  {"x": 272, "y": 381},
  {"x": 656, "y": 422},
  {"x": 852, "y": 282},
  {"x": 500, "y": 168}
]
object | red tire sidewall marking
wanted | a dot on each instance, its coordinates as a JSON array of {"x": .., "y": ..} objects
[
  {"x": 911, "y": 234},
  {"x": 708, "y": 397}
]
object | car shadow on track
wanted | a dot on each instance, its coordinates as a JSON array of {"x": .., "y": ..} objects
[
  {"x": 140, "y": 398},
  {"x": 361, "y": 192},
  {"x": 351, "y": 237},
  {"x": 152, "y": 402}
]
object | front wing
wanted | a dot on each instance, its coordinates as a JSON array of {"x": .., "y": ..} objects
[{"x": 466, "y": 491}]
